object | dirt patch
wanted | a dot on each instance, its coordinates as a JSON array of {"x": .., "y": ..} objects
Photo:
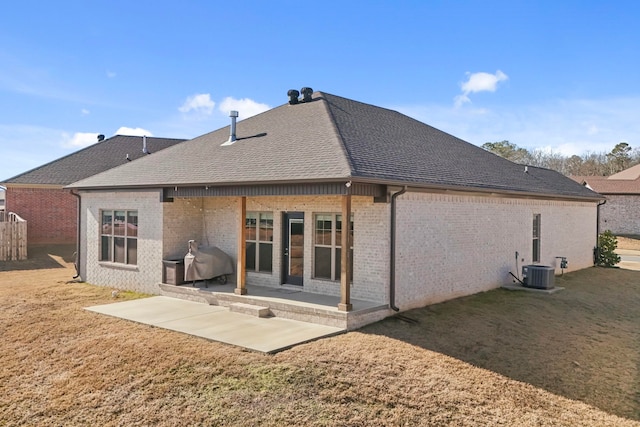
[{"x": 499, "y": 358}]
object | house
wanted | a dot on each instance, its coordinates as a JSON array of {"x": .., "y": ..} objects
[
  {"x": 337, "y": 197},
  {"x": 39, "y": 196},
  {"x": 622, "y": 191}
]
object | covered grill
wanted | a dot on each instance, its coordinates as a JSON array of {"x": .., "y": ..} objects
[{"x": 206, "y": 263}]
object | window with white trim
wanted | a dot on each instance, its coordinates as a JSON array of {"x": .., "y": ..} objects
[
  {"x": 119, "y": 236},
  {"x": 536, "y": 238},
  {"x": 327, "y": 250},
  {"x": 259, "y": 241}
]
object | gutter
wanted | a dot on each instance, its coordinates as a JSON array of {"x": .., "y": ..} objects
[
  {"x": 392, "y": 251},
  {"x": 77, "y": 257},
  {"x": 418, "y": 187},
  {"x": 597, "y": 254}
]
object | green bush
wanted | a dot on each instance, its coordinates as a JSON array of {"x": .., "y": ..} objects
[{"x": 607, "y": 244}]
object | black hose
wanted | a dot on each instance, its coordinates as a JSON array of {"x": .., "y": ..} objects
[{"x": 521, "y": 282}]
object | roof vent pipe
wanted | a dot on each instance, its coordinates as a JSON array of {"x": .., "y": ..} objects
[
  {"x": 232, "y": 134},
  {"x": 100, "y": 138},
  {"x": 306, "y": 94},
  {"x": 145, "y": 150},
  {"x": 293, "y": 96}
]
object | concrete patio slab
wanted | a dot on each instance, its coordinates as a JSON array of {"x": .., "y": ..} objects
[
  {"x": 216, "y": 323},
  {"x": 518, "y": 287}
]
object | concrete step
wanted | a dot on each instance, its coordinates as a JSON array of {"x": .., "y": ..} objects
[{"x": 250, "y": 309}]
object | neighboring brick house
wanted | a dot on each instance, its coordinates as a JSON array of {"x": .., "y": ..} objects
[
  {"x": 432, "y": 217},
  {"x": 39, "y": 196},
  {"x": 622, "y": 191}
]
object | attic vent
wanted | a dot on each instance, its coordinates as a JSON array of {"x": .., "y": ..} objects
[
  {"x": 306, "y": 94},
  {"x": 100, "y": 138},
  {"x": 293, "y": 96}
]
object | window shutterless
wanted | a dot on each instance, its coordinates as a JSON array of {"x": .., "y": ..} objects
[
  {"x": 119, "y": 236},
  {"x": 328, "y": 246},
  {"x": 259, "y": 241},
  {"x": 536, "y": 238}
]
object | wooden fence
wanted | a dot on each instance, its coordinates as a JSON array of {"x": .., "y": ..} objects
[{"x": 13, "y": 237}]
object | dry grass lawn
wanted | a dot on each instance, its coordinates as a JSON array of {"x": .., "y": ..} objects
[{"x": 499, "y": 358}]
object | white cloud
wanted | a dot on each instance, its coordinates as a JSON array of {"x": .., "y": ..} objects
[
  {"x": 479, "y": 82},
  {"x": 133, "y": 131},
  {"x": 246, "y": 107},
  {"x": 111, "y": 74},
  {"x": 85, "y": 112},
  {"x": 200, "y": 103},
  {"x": 79, "y": 139}
]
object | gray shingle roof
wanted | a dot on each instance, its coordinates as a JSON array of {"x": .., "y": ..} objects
[
  {"x": 334, "y": 138},
  {"x": 92, "y": 160}
]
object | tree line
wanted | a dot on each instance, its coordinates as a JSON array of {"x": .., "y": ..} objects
[{"x": 621, "y": 157}]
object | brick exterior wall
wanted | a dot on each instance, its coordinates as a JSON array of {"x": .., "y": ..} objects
[
  {"x": 620, "y": 214},
  {"x": 51, "y": 213},
  {"x": 182, "y": 221},
  {"x": 143, "y": 277},
  {"x": 450, "y": 246}
]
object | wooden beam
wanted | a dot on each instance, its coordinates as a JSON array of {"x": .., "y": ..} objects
[
  {"x": 345, "y": 264},
  {"x": 241, "y": 287}
]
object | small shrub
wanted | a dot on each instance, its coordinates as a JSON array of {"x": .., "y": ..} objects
[{"x": 607, "y": 244}]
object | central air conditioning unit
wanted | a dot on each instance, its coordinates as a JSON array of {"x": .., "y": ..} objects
[{"x": 538, "y": 276}]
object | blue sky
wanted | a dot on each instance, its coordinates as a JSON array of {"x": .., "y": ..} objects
[{"x": 553, "y": 75}]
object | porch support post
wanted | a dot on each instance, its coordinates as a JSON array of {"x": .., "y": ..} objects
[
  {"x": 345, "y": 243},
  {"x": 241, "y": 287}
]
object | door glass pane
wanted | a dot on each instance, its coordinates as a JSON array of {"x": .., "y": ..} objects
[{"x": 296, "y": 247}]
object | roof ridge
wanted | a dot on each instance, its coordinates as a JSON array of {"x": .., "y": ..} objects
[{"x": 338, "y": 134}]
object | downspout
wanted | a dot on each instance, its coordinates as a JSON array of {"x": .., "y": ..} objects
[
  {"x": 392, "y": 252},
  {"x": 597, "y": 254},
  {"x": 77, "y": 257}
]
